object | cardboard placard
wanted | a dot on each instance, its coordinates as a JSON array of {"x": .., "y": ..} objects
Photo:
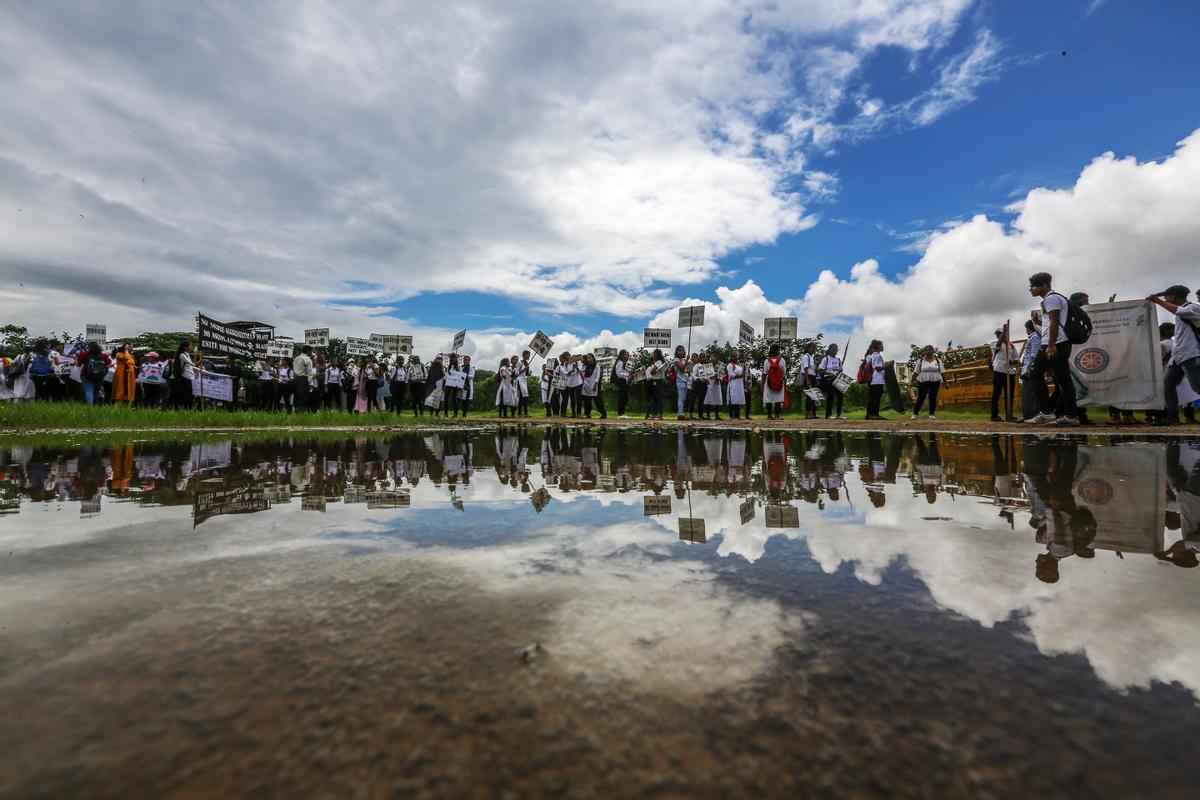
[
  {"x": 691, "y": 317},
  {"x": 691, "y": 529},
  {"x": 656, "y": 504},
  {"x": 656, "y": 337},
  {"x": 746, "y": 510},
  {"x": 460, "y": 339},
  {"x": 783, "y": 516},
  {"x": 316, "y": 337},
  {"x": 541, "y": 344},
  {"x": 780, "y": 328},
  {"x": 96, "y": 333},
  {"x": 843, "y": 382},
  {"x": 745, "y": 332},
  {"x": 405, "y": 347},
  {"x": 359, "y": 347},
  {"x": 280, "y": 347}
]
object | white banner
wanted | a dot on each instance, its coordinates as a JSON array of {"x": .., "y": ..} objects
[
  {"x": 1124, "y": 488},
  {"x": 359, "y": 347},
  {"x": 316, "y": 337},
  {"x": 215, "y": 387},
  {"x": 1120, "y": 365}
]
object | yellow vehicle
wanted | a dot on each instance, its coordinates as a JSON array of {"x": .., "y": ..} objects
[{"x": 970, "y": 381}]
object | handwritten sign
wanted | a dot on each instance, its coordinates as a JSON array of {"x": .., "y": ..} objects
[
  {"x": 541, "y": 344},
  {"x": 783, "y": 517},
  {"x": 691, "y": 317},
  {"x": 316, "y": 337},
  {"x": 691, "y": 529},
  {"x": 656, "y": 337},
  {"x": 656, "y": 504},
  {"x": 280, "y": 347},
  {"x": 780, "y": 328},
  {"x": 460, "y": 339},
  {"x": 745, "y": 332},
  {"x": 359, "y": 347},
  {"x": 386, "y": 343},
  {"x": 96, "y": 333}
]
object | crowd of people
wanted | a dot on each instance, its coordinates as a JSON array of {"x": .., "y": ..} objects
[{"x": 570, "y": 385}]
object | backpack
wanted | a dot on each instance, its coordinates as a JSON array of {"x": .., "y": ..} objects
[
  {"x": 41, "y": 365},
  {"x": 94, "y": 369},
  {"x": 774, "y": 375},
  {"x": 865, "y": 371},
  {"x": 1078, "y": 325}
]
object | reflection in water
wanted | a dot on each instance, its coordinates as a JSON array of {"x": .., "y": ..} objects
[{"x": 668, "y": 564}]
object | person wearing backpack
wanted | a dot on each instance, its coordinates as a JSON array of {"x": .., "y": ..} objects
[
  {"x": 1063, "y": 325},
  {"x": 93, "y": 363},
  {"x": 1185, "y": 351},
  {"x": 928, "y": 376},
  {"x": 774, "y": 382},
  {"x": 877, "y": 372},
  {"x": 828, "y": 370}
]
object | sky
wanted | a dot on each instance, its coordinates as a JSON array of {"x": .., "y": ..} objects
[{"x": 888, "y": 169}]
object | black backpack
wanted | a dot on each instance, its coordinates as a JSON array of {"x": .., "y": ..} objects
[
  {"x": 94, "y": 369},
  {"x": 1078, "y": 325}
]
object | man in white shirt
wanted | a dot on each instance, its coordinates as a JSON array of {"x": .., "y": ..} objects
[
  {"x": 1004, "y": 372},
  {"x": 1055, "y": 354},
  {"x": 1185, "y": 351},
  {"x": 302, "y": 374}
]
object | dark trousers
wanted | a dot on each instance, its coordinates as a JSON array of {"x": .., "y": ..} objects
[
  {"x": 269, "y": 393},
  {"x": 151, "y": 395},
  {"x": 654, "y": 406},
  {"x": 286, "y": 391},
  {"x": 398, "y": 396},
  {"x": 622, "y": 395},
  {"x": 874, "y": 397},
  {"x": 416, "y": 391},
  {"x": 927, "y": 389},
  {"x": 1175, "y": 373},
  {"x": 833, "y": 398},
  {"x": 42, "y": 389},
  {"x": 598, "y": 400},
  {"x": 1064, "y": 385},
  {"x": 333, "y": 396},
  {"x": 1007, "y": 388},
  {"x": 300, "y": 387}
]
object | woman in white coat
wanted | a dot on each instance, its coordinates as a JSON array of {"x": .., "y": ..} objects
[
  {"x": 774, "y": 382},
  {"x": 737, "y": 387},
  {"x": 591, "y": 387},
  {"x": 714, "y": 396},
  {"x": 506, "y": 395}
]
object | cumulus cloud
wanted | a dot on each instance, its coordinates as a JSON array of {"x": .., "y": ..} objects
[{"x": 260, "y": 160}]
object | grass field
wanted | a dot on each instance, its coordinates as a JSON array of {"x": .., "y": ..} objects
[{"x": 76, "y": 416}]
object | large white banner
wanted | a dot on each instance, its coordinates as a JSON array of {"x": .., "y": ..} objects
[
  {"x": 1125, "y": 489},
  {"x": 214, "y": 387},
  {"x": 1120, "y": 364}
]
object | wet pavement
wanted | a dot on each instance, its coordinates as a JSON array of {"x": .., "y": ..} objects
[{"x": 586, "y": 612}]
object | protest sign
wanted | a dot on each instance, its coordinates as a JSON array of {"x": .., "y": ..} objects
[
  {"x": 746, "y": 510},
  {"x": 316, "y": 337},
  {"x": 238, "y": 500},
  {"x": 219, "y": 337},
  {"x": 815, "y": 395},
  {"x": 745, "y": 332},
  {"x": 843, "y": 382},
  {"x": 388, "y": 499},
  {"x": 655, "y": 504},
  {"x": 356, "y": 346},
  {"x": 460, "y": 339},
  {"x": 1119, "y": 365},
  {"x": 703, "y": 372},
  {"x": 691, "y": 529},
  {"x": 605, "y": 352},
  {"x": 691, "y": 317},
  {"x": 782, "y": 516},
  {"x": 313, "y": 502},
  {"x": 96, "y": 333},
  {"x": 1124, "y": 488},
  {"x": 280, "y": 347},
  {"x": 656, "y": 337},
  {"x": 541, "y": 344},
  {"x": 456, "y": 379},
  {"x": 406, "y": 346},
  {"x": 212, "y": 386},
  {"x": 386, "y": 343},
  {"x": 780, "y": 328}
]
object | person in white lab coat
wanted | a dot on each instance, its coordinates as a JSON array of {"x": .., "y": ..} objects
[{"x": 736, "y": 375}]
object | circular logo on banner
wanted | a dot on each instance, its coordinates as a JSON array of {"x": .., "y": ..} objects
[
  {"x": 1096, "y": 491},
  {"x": 1091, "y": 360}
]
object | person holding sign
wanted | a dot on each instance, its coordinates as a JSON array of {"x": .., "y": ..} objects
[
  {"x": 506, "y": 393},
  {"x": 655, "y": 374},
  {"x": 182, "y": 372},
  {"x": 808, "y": 379},
  {"x": 468, "y": 388},
  {"x": 302, "y": 371},
  {"x": 590, "y": 388},
  {"x": 151, "y": 379},
  {"x": 416, "y": 385},
  {"x": 287, "y": 388},
  {"x": 546, "y": 384},
  {"x": 522, "y": 373},
  {"x": 714, "y": 396},
  {"x": 735, "y": 373},
  {"x": 774, "y": 383},
  {"x": 1004, "y": 372},
  {"x": 679, "y": 374},
  {"x": 1184, "y": 363},
  {"x": 827, "y": 372},
  {"x": 333, "y": 386},
  {"x": 621, "y": 379}
]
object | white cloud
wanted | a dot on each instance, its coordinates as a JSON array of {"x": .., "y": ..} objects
[{"x": 258, "y": 161}]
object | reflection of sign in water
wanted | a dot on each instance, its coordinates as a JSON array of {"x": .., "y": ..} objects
[
  {"x": 1124, "y": 488},
  {"x": 278, "y": 494},
  {"x": 541, "y": 344},
  {"x": 390, "y": 499},
  {"x": 747, "y": 510},
  {"x": 540, "y": 499},
  {"x": 704, "y": 473},
  {"x": 313, "y": 503},
  {"x": 606, "y": 482},
  {"x": 359, "y": 347},
  {"x": 355, "y": 493},
  {"x": 316, "y": 337},
  {"x": 656, "y": 337},
  {"x": 745, "y": 332},
  {"x": 782, "y": 516},
  {"x": 89, "y": 507},
  {"x": 239, "y": 500},
  {"x": 691, "y": 317},
  {"x": 655, "y": 504},
  {"x": 1119, "y": 365},
  {"x": 779, "y": 328},
  {"x": 691, "y": 529}
]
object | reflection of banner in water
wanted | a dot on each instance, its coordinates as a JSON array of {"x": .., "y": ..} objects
[
  {"x": 1119, "y": 365},
  {"x": 214, "y": 386},
  {"x": 355, "y": 493},
  {"x": 782, "y": 516},
  {"x": 313, "y": 503},
  {"x": 1125, "y": 489},
  {"x": 278, "y": 493},
  {"x": 211, "y": 456},
  {"x": 747, "y": 510},
  {"x": 89, "y": 507},
  {"x": 240, "y": 500},
  {"x": 388, "y": 499},
  {"x": 655, "y": 504}
]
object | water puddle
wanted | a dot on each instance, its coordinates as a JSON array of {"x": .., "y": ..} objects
[{"x": 594, "y": 613}]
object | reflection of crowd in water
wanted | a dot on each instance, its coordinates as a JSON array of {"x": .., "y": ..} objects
[{"x": 1052, "y": 479}]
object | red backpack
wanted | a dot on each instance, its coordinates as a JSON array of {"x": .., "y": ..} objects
[
  {"x": 865, "y": 370},
  {"x": 774, "y": 375}
]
